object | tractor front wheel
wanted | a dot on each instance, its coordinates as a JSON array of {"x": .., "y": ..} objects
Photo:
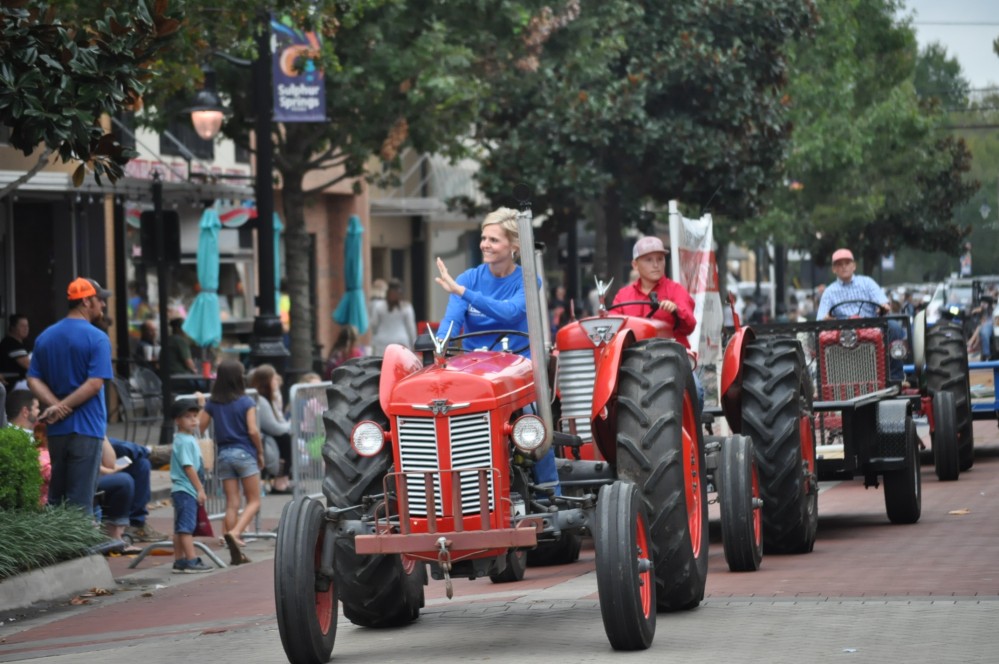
[
  {"x": 903, "y": 487},
  {"x": 946, "y": 450},
  {"x": 562, "y": 551},
  {"x": 660, "y": 450},
  {"x": 516, "y": 565},
  {"x": 623, "y": 547},
  {"x": 306, "y": 600},
  {"x": 741, "y": 506}
]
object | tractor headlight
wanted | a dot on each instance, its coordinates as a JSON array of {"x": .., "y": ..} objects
[
  {"x": 898, "y": 350},
  {"x": 529, "y": 434},
  {"x": 367, "y": 438}
]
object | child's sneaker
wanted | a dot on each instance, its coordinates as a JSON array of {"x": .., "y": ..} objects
[
  {"x": 195, "y": 566},
  {"x": 192, "y": 566}
]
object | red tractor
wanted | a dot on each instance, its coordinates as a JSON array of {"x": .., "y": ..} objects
[
  {"x": 863, "y": 421},
  {"x": 428, "y": 466}
]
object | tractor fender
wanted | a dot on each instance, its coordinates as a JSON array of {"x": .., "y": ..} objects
[
  {"x": 891, "y": 435},
  {"x": 397, "y": 363},
  {"x": 731, "y": 378},
  {"x": 608, "y": 364}
]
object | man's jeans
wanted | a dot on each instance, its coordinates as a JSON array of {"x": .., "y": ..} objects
[
  {"x": 76, "y": 461},
  {"x": 118, "y": 490},
  {"x": 985, "y": 336},
  {"x": 139, "y": 472}
]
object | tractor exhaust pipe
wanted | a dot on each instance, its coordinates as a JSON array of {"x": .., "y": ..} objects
[{"x": 537, "y": 326}]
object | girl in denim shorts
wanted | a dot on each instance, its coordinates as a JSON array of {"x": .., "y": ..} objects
[{"x": 240, "y": 451}]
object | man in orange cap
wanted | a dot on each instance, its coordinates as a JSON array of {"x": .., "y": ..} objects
[{"x": 69, "y": 365}]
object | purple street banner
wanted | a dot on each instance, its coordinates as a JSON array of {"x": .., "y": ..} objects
[{"x": 299, "y": 87}]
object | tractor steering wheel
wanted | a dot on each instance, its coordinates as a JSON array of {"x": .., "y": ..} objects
[
  {"x": 860, "y": 305},
  {"x": 499, "y": 337},
  {"x": 647, "y": 303}
]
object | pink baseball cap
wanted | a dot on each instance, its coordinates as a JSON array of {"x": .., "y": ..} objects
[
  {"x": 842, "y": 255},
  {"x": 649, "y": 244}
]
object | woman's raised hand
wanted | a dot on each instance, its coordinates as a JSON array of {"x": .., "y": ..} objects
[{"x": 446, "y": 281}]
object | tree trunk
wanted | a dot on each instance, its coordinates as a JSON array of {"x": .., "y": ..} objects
[
  {"x": 297, "y": 262},
  {"x": 617, "y": 267},
  {"x": 597, "y": 215}
]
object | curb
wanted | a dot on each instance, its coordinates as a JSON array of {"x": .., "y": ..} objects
[{"x": 55, "y": 582}]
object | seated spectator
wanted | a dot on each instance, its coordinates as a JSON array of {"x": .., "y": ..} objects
[
  {"x": 118, "y": 489},
  {"x": 147, "y": 352},
  {"x": 21, "y": 411},
  {"x": 176, "y": 354},
  {"x": 270, "y": 419},
  {"x": 14, "y": 356},
  {"x": 139, "y": 470}
]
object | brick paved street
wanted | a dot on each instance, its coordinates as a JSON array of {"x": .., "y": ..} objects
[{"x": 870, "y": 591}]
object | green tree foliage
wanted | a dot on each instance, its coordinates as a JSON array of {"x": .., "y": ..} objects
[
  {"x": 938, "y": 76},
  {"x": 398, "y": 74},
  {"x": 58, "y": 75},
  {"x": 635, "y": 103},
  {"x": 20, "y": 473},
  {"x": 871, "y": 165}
]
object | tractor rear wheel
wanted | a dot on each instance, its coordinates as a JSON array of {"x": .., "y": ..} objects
[
  {"x": 775, "y": 415},
  {"x": 306, "y": 602},
  {"x": 947, "y": 371},
  {"x": 623, "y": 547},
  {"x": 741, "y": 507},
  {"x": 946, "y": 449},
  {"x": 376, "y": 590},
  {"x": 660, "y": 450},
  {"x": 903, "y": 487}
]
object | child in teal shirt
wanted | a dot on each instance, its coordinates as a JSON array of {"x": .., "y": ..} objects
[{"x": 187, "y": 492}]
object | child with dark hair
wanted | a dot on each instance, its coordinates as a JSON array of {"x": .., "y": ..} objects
[
  {"x": 187, "y": 490},
  {"x": 240, "y": 450}
]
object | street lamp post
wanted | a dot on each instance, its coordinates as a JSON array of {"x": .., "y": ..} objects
[{"x": 266, "y": 344}]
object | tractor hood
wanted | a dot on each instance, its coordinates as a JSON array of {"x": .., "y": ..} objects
[{"x": 482, "y": 379}]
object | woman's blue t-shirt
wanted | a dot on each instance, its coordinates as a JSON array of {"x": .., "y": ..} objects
[
  {"x": 229, "y": 422},
  {"x": 489, "y": 303}
]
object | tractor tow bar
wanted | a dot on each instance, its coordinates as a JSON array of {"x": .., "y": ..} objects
[{"x": 444, "y": 560}]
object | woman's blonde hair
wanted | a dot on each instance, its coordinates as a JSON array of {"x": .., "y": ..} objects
[{"x": 506, "y": 218}]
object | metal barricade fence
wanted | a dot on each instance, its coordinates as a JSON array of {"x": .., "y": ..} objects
[{"x": 308, "y": 433}]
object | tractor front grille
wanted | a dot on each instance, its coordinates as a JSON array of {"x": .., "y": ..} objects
[
  {"x": 577, "y": 372},
  {"x": 850, "y": 372},
  {"x": 470, "y": 447}
]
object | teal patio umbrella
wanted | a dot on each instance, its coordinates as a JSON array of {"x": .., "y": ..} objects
[
  {"x": 278, "y": 229},
  {"x": 204, "y": 324},
  {"x": 352, "y": 309}
]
